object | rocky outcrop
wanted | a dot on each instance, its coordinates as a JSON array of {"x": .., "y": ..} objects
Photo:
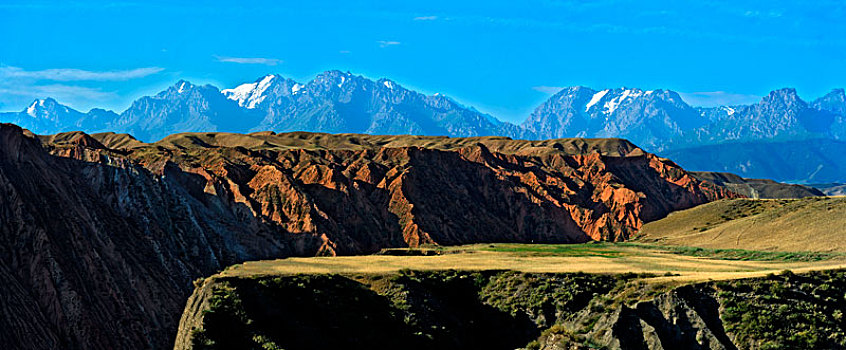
[
  {"x": 684, "y": 318},
  {"x": 102, "y": 235}
]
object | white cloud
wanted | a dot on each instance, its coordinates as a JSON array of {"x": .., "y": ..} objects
[
  {"x": 548, "y": 89},
  {"x": 58, "y": 91},
  {"x": 386, "y": 43},
  {"x": 426, "y": 18},
  {"x": 249, "y": 60},
  {"x": 717, "y": 98},
  {"x": 73, "y": 74}
]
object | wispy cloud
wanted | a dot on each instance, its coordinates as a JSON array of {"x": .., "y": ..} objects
[
  {"x": 73, "y": 74},
  {"x": 249, "y": 60},
  {"x": 548, "y": 89},
  {"x": 385, "y": 43},
  {"x": 425, "y": 18},
  {"x": 59, "y": 91},
  {"x": 717, "y": 98}
]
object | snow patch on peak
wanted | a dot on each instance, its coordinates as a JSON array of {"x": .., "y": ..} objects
[
  {"x": 296, "y": 88},
  {"x": 265, "y": 82},
  {"x": 251, "y": 94},
  {"x": 241, "y": 93},
  {"x": 343, "y": 80},
  {"x": 596, "y": 97},
  {"x": 615, "y": 102},
  {"x": 32, "y": 108},
  {"x": 181, "y": 87},
  {"x": 388, "y": 84},
  {"x": 729, "y": 111}
]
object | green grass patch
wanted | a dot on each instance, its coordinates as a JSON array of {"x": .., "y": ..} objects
[
  {"x": 739, "y": 254},
  {"x": 562, "y": 250}
]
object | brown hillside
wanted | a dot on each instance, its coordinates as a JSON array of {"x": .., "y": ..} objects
[{"x": 810, "y": 224}]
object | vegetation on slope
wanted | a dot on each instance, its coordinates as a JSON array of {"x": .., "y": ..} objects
[
  {"x": 507, "y": 310},
  {"x": 786, "y": 311},
  {"x": 410, "y": 310}
]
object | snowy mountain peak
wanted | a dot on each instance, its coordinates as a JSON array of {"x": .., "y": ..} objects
[
  {"x": 251, "y": 94},
  {"x": 619, "y": 98},
  {"x": 45, "y": 108}
]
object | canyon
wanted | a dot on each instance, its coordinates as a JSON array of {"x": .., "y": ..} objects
[{"x": 103, "y": 234}]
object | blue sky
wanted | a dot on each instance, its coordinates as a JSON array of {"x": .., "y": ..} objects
[{"x": 502, "y": 57}]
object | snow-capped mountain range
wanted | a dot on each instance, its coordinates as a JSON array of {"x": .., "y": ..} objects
[{"x": 341, "y": 102}]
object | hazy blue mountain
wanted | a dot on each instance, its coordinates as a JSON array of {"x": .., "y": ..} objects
[
  {"x": 647, "y": 118},
  {"x": 183, "y": 107},
  {"x": 781, "y": 115},
  {"x": 834, "y": 103},
  {"x": 46, "y": 116},
  {"x": 802, "y": 161},
  {"x": 341, "y": 102}
]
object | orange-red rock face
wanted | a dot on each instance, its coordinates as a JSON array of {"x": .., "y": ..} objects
[
  {"x": 361, "y": 200},
  {"x": 99, "y": 245}
]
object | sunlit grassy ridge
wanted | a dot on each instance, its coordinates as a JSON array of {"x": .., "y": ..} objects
[{"x": 815, "y": 224}]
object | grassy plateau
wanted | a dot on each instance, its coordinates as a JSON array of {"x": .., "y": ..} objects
[{"x": 668, "y": 263}]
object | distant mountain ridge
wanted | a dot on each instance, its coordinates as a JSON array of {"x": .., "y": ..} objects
[
  {"x": 644, "y": 117},
  {"x": 47, "y": 116},
  {"x": 341, "y": 102}
]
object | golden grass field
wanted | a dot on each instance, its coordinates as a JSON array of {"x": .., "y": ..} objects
[{"x": 589, "y": 258}]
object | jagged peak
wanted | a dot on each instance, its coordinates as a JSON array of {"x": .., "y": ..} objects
[
  {"x": 388, "y": 83},
  {"x": 42, "y": 107},
  {"x": 332, "y": 78},
  {"x": 575, "y": 89},
  {"x": 784, "y": 95},
  {"x": 182, "y": 86},
  {"x": 783, "y": 92},
  {"x": 333, "y": 74},
  {"x": 185, "y": 87}
]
